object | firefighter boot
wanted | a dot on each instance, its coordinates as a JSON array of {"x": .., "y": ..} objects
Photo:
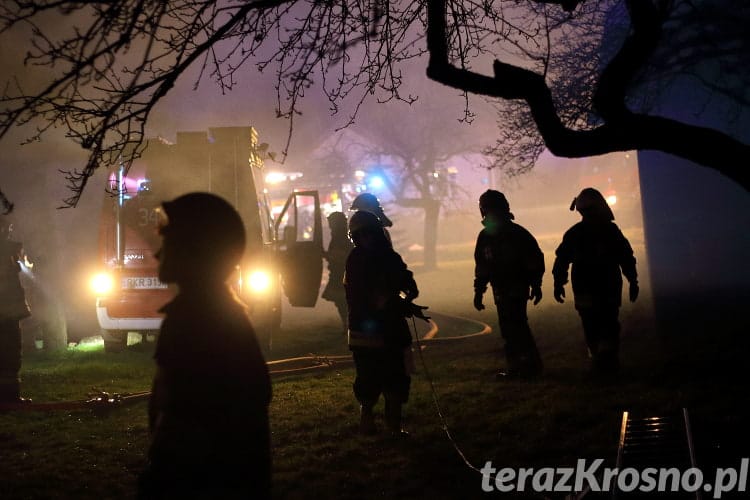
[
  {"x": 393, "y": 419},
  {"x": 367, "y": 421}
]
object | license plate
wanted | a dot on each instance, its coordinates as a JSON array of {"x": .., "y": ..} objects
[{"x": 144, "y": 283}]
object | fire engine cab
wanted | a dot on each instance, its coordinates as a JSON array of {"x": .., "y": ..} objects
[{"x": 281, "y": 254}]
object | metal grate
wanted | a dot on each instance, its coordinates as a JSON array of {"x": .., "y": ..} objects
[{"x": 658, "y": 442}]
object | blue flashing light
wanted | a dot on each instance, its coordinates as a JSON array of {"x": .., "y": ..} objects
[{"x": 375, "y": 182}]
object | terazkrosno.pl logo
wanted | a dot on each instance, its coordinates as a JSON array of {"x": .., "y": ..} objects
[{"x": 592, "y": 476}]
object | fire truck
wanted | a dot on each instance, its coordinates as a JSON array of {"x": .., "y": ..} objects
[{"x": 284, "y": 253}]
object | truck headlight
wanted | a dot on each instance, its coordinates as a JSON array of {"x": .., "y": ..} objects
[
  {"x": 259, "y": 281},
  {"x": 102, "y": 283}
]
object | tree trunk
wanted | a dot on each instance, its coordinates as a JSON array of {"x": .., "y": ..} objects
[
  {"x": 431, "y": 215},
  {"x": 54, "y": 328}
]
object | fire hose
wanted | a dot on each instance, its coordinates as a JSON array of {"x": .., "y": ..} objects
[
  {"x": 102, "y": 401},
  {"x": 99, "y": 401}
]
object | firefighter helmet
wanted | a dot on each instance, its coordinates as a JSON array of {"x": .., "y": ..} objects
[
  {"x": 363, "y": 220},
  {"x": 207, "y": 224},
  {"x": 591, "y": 203},
  {"x": 370, "y": 203},
  {"x": 493, "y": 201},
  {"x": 366, "y": 201}
]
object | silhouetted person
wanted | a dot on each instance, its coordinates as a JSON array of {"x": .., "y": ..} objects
[
  {"x": 13, "y": 308},
  {"x": 370, "y": 203},
  {"x": 379, "y": 291},
  {"x": 208, "y": 412},
  {"x": 336, "y": 254},
  {"x": 287, "y": 258},
  {"x": 508, "y": 257},
  {"x": 599, "y": 253},
  {"x": 48, "y": 319}
]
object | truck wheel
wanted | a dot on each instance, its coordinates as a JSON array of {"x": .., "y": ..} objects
[{"x": 115, "y": 340}]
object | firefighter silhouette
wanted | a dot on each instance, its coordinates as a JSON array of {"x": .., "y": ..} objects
[
  {"x": 370, "y": 203},
  {"x": 48, "y": 321},
  {"x": 379, "y": 293},
  {"x": 508, "y": 257},
  {"x": 208, "y": 411},
  {"x": 336, "y": 254},
  {"x": 600, "y": 254},
  {"x": 13, "y": 308}
]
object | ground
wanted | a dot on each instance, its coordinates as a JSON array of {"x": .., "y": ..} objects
[{"x": 564, "y": 416}]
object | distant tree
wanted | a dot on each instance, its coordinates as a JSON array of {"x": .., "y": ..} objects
[
  {"x": 336, "y": 160},
  {"x": 411, "y": 152},
  {"x": 414, "y": 151},
  {"x": 101, "y": 67}
]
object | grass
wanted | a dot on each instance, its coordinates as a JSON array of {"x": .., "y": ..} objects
[{"x": 317, "y": 453}]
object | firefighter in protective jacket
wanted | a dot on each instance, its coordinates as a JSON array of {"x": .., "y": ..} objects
[
  {"x": 508, "y": 257},
  {"x": 336, "y": 254},
  {"x": 379, "y": 294},
  {"x": 600, "y": 254},
  {"x": 13, "y": 308},
  {"x": 208, "y": 411}
]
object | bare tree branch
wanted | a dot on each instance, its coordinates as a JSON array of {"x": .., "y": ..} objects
[
  {"x": 621, "y": 131},
  {"x": 106, "y": 65}
]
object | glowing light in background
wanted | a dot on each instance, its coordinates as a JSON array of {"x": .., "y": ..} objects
[
  {"x": 131, "y": 186},
  {"x": 86, "y": 344},
  {"x": 279, "y": 177},
  {"x": 26, "y": 266},
  {"x": 259, "y": 281},
  {"x": 376, "y": 182},
  {"x": 612, "y": 199},
  {"x": 102, "y": 283},
  {"x": 275, "y": 177}
]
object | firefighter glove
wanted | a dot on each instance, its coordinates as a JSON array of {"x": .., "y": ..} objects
[
  {"x": 478, "y": 305},
  {"x": 418, "y": 311},
  {"x": 633, "y": 294},
  {"x": 559, "y": 293},
  {"x": 536, "y": 294}
]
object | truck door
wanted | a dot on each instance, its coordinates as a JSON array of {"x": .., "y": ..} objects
[{"x": 299, "y": 239}]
